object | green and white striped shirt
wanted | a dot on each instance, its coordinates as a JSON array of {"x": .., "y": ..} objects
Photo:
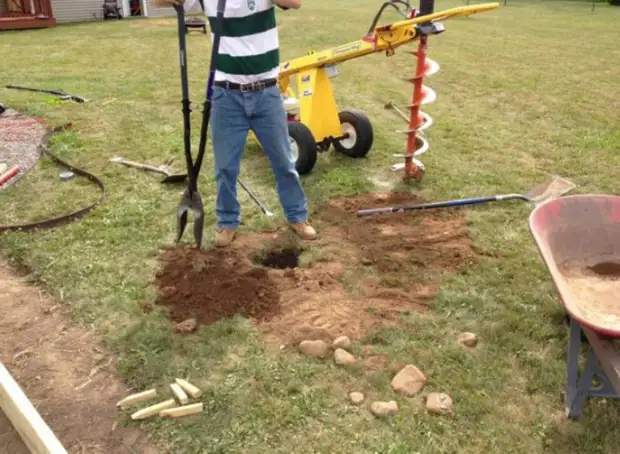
[{"x": 249, "y": 45}]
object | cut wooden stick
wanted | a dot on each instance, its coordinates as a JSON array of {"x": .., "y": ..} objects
[
  {"x": 136, "y": 398},
  {"x": 179, "y": 393},
  {"x": 177, "y": 412},
  {"x": 188, "y": 387},
  {"x": 154, "y": 409}
]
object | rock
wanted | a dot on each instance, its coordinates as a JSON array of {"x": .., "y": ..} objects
[
  {"x": 468, "y": 339},
  {"x": 356, "y": 398},
  {"x": 341, "y": 342},
  {"x": 186, "y": 326},
  {"x": 343, "y": 357},
  {"x": 335, "y": 270},
  {"x": 168, "y": 291},
  {"x": 316, "y": 349},
  {"x": 409, "y": 381},
  {"x": 366, "y": 261},
  {"x": 382, "y": 409},
  {"x": 439, "y": 404}
]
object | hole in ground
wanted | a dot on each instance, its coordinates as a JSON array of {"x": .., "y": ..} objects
[{"x": 280, "y": 258}]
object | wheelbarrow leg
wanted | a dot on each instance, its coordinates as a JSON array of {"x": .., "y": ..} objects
[
  {"x": 574, "y": 349},
  {"x": 578, "y": 387}
]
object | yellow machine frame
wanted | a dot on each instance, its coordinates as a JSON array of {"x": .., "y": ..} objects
[{"x": 317, "y": 110}]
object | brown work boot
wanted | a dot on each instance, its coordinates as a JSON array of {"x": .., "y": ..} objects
[
  {"x": 223, "y": 237},
  {"x": 304, "y": 230}
]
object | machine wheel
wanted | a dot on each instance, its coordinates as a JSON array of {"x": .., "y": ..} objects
[
  {"x": 303, "y": 146},
  {"x": 356, "y": 124}
]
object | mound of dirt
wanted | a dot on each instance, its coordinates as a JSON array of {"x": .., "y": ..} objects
[
  {"x": 212, "y": 285},
  {"x": 370, "y": 271}
]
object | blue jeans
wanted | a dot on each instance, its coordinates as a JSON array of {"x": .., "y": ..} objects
[{"x": 233, "y": 114}]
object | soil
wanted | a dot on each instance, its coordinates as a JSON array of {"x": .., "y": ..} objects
[
  {"x": 606, "y": 269},
  {"x": 64, "y": 371},
  {"x": 595, "y": 288},
  {"x": 371, "y": 270},
  {"x": 10, "y": 441},
  {"x": 208, "y": 286}
]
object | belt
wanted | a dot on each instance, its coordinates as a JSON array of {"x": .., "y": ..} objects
[{"x": 252, "y": 86}]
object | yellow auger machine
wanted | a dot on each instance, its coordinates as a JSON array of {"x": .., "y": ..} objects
[{"x": 315, "y": 121}]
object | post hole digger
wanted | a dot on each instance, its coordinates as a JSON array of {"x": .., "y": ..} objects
[{"x": 191, "y": 199}]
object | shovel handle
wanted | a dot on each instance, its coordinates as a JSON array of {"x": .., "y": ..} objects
[
  {"x": 138, "y": 165},
  {"x": 444, "y": 204}
]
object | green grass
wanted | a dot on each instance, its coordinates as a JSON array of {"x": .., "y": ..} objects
[{"x": 524, "y": 92}]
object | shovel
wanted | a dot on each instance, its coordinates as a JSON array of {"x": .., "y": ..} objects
[
  {"x": 547, "y": 190},
  {"x": 170, "y": 178}
]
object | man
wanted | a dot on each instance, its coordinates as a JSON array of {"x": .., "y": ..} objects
[{"x": 246, "y": 96}]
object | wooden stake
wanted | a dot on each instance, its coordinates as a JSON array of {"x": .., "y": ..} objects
[
  {"x": 188, "y": 387},
  {"x": 179, "y": 393},
  {"x": 182, "y": 411},
  {"x": 136, "y": 398},
  {"x": 153, "y": 409}
]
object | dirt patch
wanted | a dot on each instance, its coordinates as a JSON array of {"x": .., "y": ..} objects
[
  {"x": 63, "y": 370},
  {"x": 404, "y": 247},
  {"x": 209, "y": 286},
  {"x": 371, "y": 270},
  {"x": 10, "y": 441},
  {"x": 595, "y": 288}
]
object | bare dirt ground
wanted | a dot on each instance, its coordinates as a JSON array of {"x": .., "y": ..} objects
[
  {"x": 395, "y": 264},
  {"x": 64, "y": 371}
]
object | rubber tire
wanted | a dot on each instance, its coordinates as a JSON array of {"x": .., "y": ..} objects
[
  {"x": 306, "y": 145},
  {"x": 363, "y": 130}
]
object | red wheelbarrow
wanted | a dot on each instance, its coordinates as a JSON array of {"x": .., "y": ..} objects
[{"x": 578, "y": 238}]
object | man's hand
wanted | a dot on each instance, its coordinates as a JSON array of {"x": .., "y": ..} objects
[
  {"x": 286, "y": 4},
  {"x": 167, "y": 3}
]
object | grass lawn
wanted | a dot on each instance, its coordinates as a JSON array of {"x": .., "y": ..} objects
[{"x": 524, "y": 92}]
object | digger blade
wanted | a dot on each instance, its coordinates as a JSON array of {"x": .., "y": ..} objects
[{"x": 191, "y": 200}]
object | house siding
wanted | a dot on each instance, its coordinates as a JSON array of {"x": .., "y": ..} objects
[
  {"x": 85, "y": 10},
  {"x": 77, "y": 10},
  {"x": 155, "y": 11}
]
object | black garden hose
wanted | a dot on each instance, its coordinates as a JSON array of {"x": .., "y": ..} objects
[{"x": 67, "y": 218}]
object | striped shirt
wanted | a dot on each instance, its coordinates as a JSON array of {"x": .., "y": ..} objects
[{"x": 249, "y": 44}]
